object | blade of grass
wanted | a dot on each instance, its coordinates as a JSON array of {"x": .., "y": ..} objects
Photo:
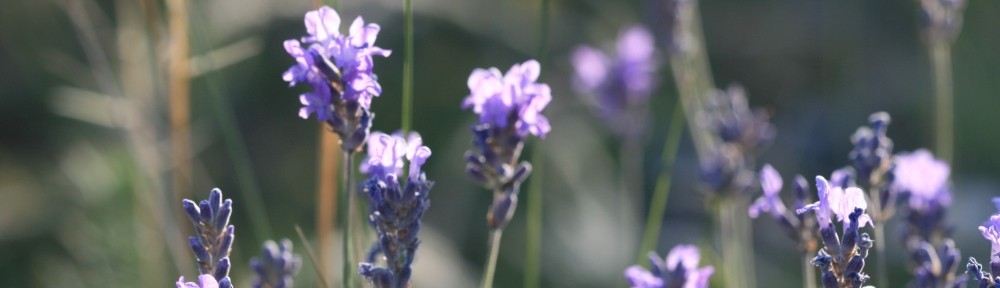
[
  {"x": 661, "y": 192},
  {"x": 533, "y": 249},
  {"x": 312, "y": 255}
]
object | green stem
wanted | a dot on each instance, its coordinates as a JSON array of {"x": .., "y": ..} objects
[
  {"x": 661, "y": 192},
  {"x": 881, "y": 268},
  {"x": 533, "y": 247},
  {"x": 944, "y": 110},
  {"x": 348, "y": 220},
  {"x": 491, "y": 262},
  {"x": 407, "y": 66},
  {"x": 808, "y": 270}
]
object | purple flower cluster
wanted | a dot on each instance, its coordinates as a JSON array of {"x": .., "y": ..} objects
[
  {"x": 796, "y": 226},
  {"x": 205, "y": 281},
  {"x": 621, "y": 84},
  {"x": 923, "y": 178},
  {"x": 509, "y": 108},
  {"x": 872, "y": 150},
  {"x": 395, "y": 211},
  {"x": 340, "y": 70},
  {"x": 991, "y": 231},
  {"x": 678, "y": 270},
  {"x": 276, "y": 266},
  {"x": 743, "y": 133},
  {"x": 214, "y": 236},
  {"x": 942, "y": 19},
  {"x": 842, "y": 259}
]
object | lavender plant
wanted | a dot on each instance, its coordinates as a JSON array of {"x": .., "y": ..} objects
[
  {"x": 509, "y": 108},
  {"x": 923, "y": 181},
  {"x": 213, "y": 240},
  {"x": 678, "y": 270},
  {"x": 991, "y": 231},
  {"x": 799, "y": 228},
  {"x": 842, "y": 259},
  {"x": 276, "y": 266},
  {"x": 339, "y": 68},
  {"x": 619, "y": 84},
  {"x": 396, "y": 208}
]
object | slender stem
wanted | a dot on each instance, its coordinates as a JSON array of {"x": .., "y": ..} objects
[
  {"x": 735, "y": 242},
  {"x": 879, "y": 223},
  {"x": 407, "y": 65},
  {"x": 808, "y": 270},
  {"x": 533, "y": 247},
  {"x": 180, "y": 88},
  {"x": 944, "y": 110},
  {"x": 348, "y": 195},
  {"x": 326, "y": 195},
  {"x": 491, "y": 263},
  {"x": 661, "y": 192}
]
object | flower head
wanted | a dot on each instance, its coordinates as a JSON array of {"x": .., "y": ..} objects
[
  {"x": 991, "y": 231},
  {"x": 923, "y": 177},
  {"x": 620, "y": 83},
  {"x": 205, "y": 281},
  {"x": 680, "y": 270},
  {"x": 770, "y": 183},
  {"x": 837, "y": 201},
  {"x": 330, "y": 58},
  {"x": 215, "y": 236},
  {"x": 276, "y": 266},
  {"x": 872, "y": 147},
  {"x": 513, "y": 100},
  {"x": 395, "y": 208}
]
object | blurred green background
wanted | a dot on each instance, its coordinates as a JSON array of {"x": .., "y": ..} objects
[{"x": 84, "y": 137}]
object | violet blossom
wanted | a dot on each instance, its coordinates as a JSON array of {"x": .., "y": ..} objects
[
  {"x": 923, "y": 178},
  {"x": 678, "y": 270},
  {"x": 205, "y": 281},
  {"x": 276, "y": 266}
]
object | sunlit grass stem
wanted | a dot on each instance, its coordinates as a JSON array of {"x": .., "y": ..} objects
[
  {"x": 944, "y": 102},
  {"x": 326, "y": 195},
  {"x": 179, "y": 88},
  {"x": 491, "y": 262},
  {"x": 661, "y": 192}
]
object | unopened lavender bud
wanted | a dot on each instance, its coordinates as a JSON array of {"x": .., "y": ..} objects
[
  {"x": 192, "y": 211},
  {"x": 222, "y": 270}
]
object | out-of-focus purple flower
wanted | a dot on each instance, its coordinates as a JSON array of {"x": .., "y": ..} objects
[
  {"x": 923, "y": 177},
  {"x": 770, "y": 183},
  {"x": 942, "y": 19},
  {"x": 680, "y": 270},
  {"x": 622, "y": 83},
  {"x": 734, "y": 121},
  {"x": 837, "y": 201},
  {"x": 991, "y": 231},
  {"x": 340, "y": 70},
  {"x": 513, "y": 100},
  {"x": 395, "y": 211},
  {"x": 214, "y": 236},
  {"x": 205, "y": 281},
  {"x": 276, "y": 266},
  {"x": 872, "y": 148}
]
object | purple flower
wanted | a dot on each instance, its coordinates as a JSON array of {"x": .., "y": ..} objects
[
  {"x": 837, "y": 201},
  {"x": 619, "y": 83},
  {"x": 680, "y": 270},
  {"x": 214, "y": 236},
  {"x": 386, "y": 154},
  {"x": 345, "y": 60},
  {"x": 770, "y": 183},
  {"x": 923, "y": 177},
  {"x": 513, "y": 100},
  {"x": 276, "y": 266},
  {"x": 205, "y": 281},
  {"x": 991, "y": 231}
]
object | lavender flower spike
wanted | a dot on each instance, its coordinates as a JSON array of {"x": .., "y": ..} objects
[
  {"x": 837, "y": 201},
  {"x": 923, "y": 178},
  {"x": 277, "y": 265},
  {"x": 340, "y": 70},
  {"x": 509, "y": 108},
  {"x": 205, "y": 281},
  {"x": 395, "y": 211},
  {"x": 622, "y": 83},
  {"x": 680, "y": 270},
  {"x": 214, "y": 238}
]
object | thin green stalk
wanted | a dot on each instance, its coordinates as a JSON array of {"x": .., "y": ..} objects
[
  {"x": 881, "y": 268},
  {"x": 348, "y": 195},
  {"x": 491, "y": 262},
  {"x": 407, "y": 65},
  {"x": 809, "y": 271},
  {"x": 311, "y": 254},
  {"x": 533, "y": 247},
  {"x": 661, "y": 192},
  {"x": 233, "y": 139},
  {"x": 944, "y": 110}
]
